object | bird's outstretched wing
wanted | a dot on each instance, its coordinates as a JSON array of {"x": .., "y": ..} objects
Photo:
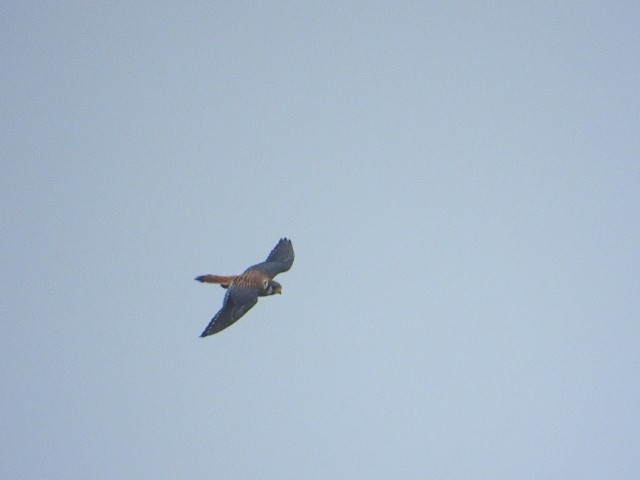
[
  {"x": 237, "y": 302},
  {"x": 279, "y": 260}
]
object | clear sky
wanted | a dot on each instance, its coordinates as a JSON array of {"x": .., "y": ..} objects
[{"x": 461, "y": 182}]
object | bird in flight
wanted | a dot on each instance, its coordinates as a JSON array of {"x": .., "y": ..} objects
[{"x": 244, "y": 289}]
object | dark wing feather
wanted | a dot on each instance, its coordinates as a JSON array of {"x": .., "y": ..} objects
[
  {"x": 279, "y": 260},
  {"x": 237, "y": 302}
]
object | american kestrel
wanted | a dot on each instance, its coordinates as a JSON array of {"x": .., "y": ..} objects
[{"x": 244, "y": 289}]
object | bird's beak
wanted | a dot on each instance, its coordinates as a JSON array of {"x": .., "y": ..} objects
[{"x": 279, "y": 290}]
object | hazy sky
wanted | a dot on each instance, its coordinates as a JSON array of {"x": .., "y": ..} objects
[{"x": 461, "y": 182}]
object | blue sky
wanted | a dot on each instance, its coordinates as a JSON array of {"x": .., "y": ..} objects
[{"x": 460, "y": 182}]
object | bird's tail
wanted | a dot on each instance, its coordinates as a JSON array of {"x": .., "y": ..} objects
[{"x": 223, "y": 281}]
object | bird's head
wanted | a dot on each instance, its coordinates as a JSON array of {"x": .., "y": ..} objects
[{"x": 273, "y": 288}]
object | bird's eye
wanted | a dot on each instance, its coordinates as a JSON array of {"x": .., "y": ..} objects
[{"x": 265, "y": 284}]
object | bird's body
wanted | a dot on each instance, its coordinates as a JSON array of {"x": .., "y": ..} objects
[{"x": 244, "y": 289}]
